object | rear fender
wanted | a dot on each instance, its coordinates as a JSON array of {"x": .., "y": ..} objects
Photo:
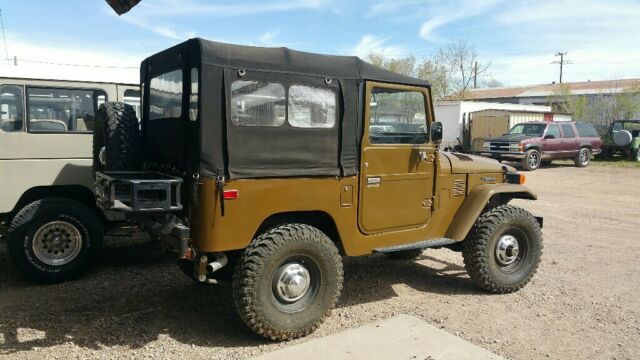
[{"x": 477, "y": 200}]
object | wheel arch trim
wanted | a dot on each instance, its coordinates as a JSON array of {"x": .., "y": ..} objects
[{"x": 478, "y": 200}]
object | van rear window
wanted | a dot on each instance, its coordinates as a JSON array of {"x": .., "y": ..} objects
[
  {"x": 586, "y": 130},
  {"x": 165, "y": 96}
]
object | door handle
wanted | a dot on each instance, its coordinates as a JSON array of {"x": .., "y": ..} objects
[{"x": 373, "y": 181}]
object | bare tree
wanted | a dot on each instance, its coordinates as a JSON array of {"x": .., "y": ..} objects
[
  {"x": 451, "y": 70},
  {"x": 461, "y": 59},
  {"x": 438, "y": 75}
]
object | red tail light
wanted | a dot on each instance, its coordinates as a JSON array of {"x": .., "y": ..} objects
[{"x": 230, "y": 194}]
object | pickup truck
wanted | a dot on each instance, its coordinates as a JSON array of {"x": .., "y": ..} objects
[{"x": 536, "y": 143}]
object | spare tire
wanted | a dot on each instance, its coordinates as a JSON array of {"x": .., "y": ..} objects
[
  {"x": 117, "y": 142},
  {"x": 622, "y": 138}
]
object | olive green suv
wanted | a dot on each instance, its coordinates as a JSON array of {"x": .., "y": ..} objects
[{"x": 274, "y": 164}]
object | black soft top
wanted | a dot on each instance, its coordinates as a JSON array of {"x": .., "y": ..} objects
[
  {"x": 292, "y": 61},
  {"x": 225, "y": 149}
]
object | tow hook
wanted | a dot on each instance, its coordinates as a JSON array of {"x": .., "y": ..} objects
[{"x": 205, "y": 268}]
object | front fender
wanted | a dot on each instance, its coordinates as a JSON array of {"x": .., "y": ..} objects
[{"x": 473, "y": 205}]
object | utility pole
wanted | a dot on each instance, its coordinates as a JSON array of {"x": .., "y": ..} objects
[
  {"x": 561, "y": 62},
  {"x": 475, "y": 75}
]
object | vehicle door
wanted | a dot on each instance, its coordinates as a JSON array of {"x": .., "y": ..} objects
[
  {"x": 397, "y": 159},
  {"x": 553, "y": 141},
  {"x": 570, "y": 144}
]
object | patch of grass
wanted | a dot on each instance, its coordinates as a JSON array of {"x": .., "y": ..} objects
[{"x": 617, "y": 162}]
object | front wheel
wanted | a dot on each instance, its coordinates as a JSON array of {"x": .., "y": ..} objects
[
  {"x": 502, "y": 251},
  {"x": 583, "y": 158},
  {"x": 531, "y": 160},
  {"x": 54, "y": 239},
  {"x": 287, "y": 281}
]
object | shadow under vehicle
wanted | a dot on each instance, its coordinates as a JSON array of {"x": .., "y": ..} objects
[{"x": 273, "y": 164}]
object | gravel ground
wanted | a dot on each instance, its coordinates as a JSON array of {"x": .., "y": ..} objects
[{"x": 584, "y": 303}]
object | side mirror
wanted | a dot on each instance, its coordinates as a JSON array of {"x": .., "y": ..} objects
[
  {"x": 436, "y": 132},
  {"x": 549, "y": 136}
]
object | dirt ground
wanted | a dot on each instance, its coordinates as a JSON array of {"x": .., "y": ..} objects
[{"x": 584, "y": 303}]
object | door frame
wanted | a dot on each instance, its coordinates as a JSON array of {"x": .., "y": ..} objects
[{"x": 428, "y": 146}]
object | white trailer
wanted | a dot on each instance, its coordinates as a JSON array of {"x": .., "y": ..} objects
[{"x": 468, "y": 123}]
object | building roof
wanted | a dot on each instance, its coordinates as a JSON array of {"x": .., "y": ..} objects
[{"x": 577, "y": 88}]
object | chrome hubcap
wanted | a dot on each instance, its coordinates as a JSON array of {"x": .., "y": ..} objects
[
  {"x": 585, "y": 157},
  {"x": 507, "y": 250},
  {"x": 533, "y": 160},
  {"x": 57, "y": 243},
  {"x": 293, "y": 282}
]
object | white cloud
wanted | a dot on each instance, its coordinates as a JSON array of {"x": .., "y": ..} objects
[
  {"x": 453, "y": 11},
  {"x": 46, "y": 61},
  {"x": 164, "y": 31},
  {"x": 268, "y": 38},
  {"x": 372, "y": 44}
]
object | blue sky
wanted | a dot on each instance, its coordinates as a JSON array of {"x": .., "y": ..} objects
[{"x": 519, "y": 38}]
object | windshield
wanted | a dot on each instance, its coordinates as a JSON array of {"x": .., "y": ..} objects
[{"x": 528, "y": 129}]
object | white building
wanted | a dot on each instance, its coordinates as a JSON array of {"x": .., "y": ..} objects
[{"x": 468, "y": 123}]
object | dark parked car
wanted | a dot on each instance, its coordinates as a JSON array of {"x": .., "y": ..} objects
[
  {"x": 534, "y": 143},
  {"x": 623, "y": 137}
]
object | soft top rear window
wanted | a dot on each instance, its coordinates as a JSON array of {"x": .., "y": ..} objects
[{"x": 165, "y": 96}]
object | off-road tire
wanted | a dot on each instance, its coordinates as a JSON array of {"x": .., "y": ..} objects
[
  {"x": 480, "y": 258},
  {"x": 34, "y": 217},
  {"x": 583, "y": 158},
  {"x": 118, "y": 131},
  {"x": 255, "y": 275},
  {"x": 404, "y": 254},
  {"x": 531, "y": 160}
]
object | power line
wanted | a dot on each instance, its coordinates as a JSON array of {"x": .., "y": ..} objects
[
  {"x": 75, "y": 65},
  {"x": 4, "y": 38}
]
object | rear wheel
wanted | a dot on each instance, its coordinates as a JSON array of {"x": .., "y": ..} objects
[
  {"x": 287, "y": 281},
  {"x": 583, "y": 158},
  {"x": 502, "y": 251},
  {"x": 531, "y": 160},
  {"x": 116, "y": 138},
  {"x": 54, "y": 239}
]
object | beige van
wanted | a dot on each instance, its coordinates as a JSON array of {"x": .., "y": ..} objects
[{"x": 46, "y": 187}]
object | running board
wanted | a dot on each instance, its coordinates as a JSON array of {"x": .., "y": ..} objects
[{"x": 419, "y": 245}]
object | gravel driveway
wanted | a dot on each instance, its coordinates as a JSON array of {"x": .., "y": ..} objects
[{"x": 584, "y": 302}]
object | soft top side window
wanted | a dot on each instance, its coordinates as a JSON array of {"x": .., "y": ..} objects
[
  {"x": 12, "y": 108},
  {"x": 165, "y": 96},
  {"x": 311, "y": 107},
  {"x": 257, "y": 103}
]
